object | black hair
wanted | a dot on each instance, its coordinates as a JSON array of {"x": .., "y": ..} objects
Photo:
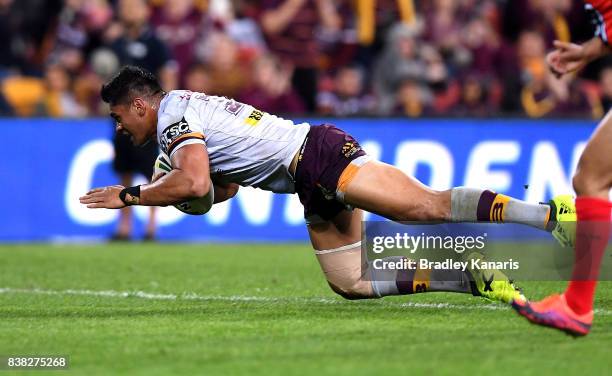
[{"x": 129, "y": 82}]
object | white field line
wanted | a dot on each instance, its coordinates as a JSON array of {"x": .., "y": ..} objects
[{"x": 242, "y": 298}]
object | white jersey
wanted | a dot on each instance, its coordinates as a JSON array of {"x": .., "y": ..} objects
[{"x": 245, "y": 146}]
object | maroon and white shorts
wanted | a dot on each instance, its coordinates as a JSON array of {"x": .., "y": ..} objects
[{"x": 328, "y": 161}]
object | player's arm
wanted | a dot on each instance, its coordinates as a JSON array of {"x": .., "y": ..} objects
[
  {"x": 569, "y": 57},
  {"x": 189, "y": 179}
]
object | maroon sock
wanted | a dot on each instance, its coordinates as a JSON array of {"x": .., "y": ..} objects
[{"x": 592, "y": 233}]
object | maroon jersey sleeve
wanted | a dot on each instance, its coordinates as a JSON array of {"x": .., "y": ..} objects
[{"x": 601, "y": 15}]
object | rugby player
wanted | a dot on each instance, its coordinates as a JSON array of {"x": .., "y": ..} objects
[
  {"x": 572, "y": 311},
  {"x": 218, "y": 141}
]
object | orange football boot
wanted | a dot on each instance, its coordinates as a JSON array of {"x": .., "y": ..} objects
[{"x": 554, "y": 312}]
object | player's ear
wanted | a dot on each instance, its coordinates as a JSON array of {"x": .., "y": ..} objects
[{"x": 140, "y": 106}]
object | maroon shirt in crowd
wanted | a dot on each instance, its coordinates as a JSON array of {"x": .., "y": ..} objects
[
  {"x": 297, "y": 43},
  {"x": 179, "y": 35}
]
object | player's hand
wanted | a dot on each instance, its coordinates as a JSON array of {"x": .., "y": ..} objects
[
  {"x": 105, "y": 197},
  {"x": 566, "y": 58}
]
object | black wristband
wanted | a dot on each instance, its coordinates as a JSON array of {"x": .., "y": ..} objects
[{"x": 130, "y": 195}]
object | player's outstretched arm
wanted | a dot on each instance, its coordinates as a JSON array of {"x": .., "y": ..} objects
[
  {"x": 188, "y": 179},
  {"x": 570, "y": 57}
]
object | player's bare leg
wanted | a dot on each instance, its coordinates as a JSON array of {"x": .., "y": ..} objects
[
  {"x": 572, "y": 311},
  {"x": 337, "y": 244},
  {"x": 385, "y": 190},
  {"x": 593, "y": 176}
]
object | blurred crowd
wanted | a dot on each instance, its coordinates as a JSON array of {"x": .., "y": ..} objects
[{"x": 329, "y": 57}]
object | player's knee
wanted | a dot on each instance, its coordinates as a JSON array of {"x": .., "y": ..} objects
[
  {"x": 353, "y": 290},
  {"x": 580, "y": 183},
  {"x": 345, "y": 272},
  {"x": 349, "y": 282},
  {"x": 587, "y": 182}
]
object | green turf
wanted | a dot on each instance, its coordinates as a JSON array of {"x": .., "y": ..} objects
[{"x": 303, "y": 328}]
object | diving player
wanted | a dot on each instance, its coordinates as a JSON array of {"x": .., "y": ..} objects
[
  {"x": 216, "y": 140},
  {"x": 572, "y": 311}
]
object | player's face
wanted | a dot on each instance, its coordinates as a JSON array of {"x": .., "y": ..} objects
[{"x": 134, "y": 120}]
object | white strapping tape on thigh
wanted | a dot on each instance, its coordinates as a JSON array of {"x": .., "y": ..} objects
[
  {"x": 339, "y": 249},
  {"x": 360, "y": 161}
]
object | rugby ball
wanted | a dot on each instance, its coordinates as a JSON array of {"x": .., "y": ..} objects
[{"x": 196, "y": 206}]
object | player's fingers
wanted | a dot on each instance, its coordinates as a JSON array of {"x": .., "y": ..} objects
[
  {"x": 85, "y": 198},
  {"x": 91, "y": 199},
  {"x": 97, "y": 205},
  {"x": 95, "y": 190}
]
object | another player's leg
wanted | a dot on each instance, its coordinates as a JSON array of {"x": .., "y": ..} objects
[
  {"x": 385, "y": 190},
  {"x": 151, "y": 225},
  {"x": 337, "y": 244},
  {"x": 573, "y": 311},
  {"x": 124, "y": 227}
]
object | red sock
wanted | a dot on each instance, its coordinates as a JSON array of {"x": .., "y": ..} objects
[{"x": 592, "y": 233}]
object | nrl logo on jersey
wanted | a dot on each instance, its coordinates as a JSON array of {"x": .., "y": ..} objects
[{"x": 172, "y": 133}]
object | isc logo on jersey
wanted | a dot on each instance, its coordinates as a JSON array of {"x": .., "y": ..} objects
[{"x": 173, "y": 132}]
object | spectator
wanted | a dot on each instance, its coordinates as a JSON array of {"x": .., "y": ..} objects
[
  {"x": 244, "y": 30},
  {"x": 444, "y": 89},
  {"x": 103, "y": 63},
  {"x": 340, "y": 47},
  {"x": 443, "y": 26},
  {"x": 399, "y": 61},
  {"x": 78, "y": 22},
  {"x": 412, "y": 99},
  {"x": 536, "y": 97},
  {"x": 289, "y": 26},
  {"x": 197, "y": 78},
  {"x": 30, "y": 26},
  {"x": 179, "y": 25},
  {"x": 59, "y": 101},
  {"x": 227, "y": 69},
  {"x": 348, "y": 96},
  {"x": 482, "y": 45},
  {"x": 460, "y": 56},
  {"x": 271, "y": 90},
  {"x": 138, "y": 45},
  {"x": 476, "y": 98}
]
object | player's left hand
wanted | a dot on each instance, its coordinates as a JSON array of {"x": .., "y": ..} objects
[{"x": 105, "y": 197}]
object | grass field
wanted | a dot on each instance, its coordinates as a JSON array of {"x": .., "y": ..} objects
[{"x": 162, "y": 309}]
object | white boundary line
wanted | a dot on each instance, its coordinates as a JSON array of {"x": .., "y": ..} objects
[{"x": 241, "y": 298}]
